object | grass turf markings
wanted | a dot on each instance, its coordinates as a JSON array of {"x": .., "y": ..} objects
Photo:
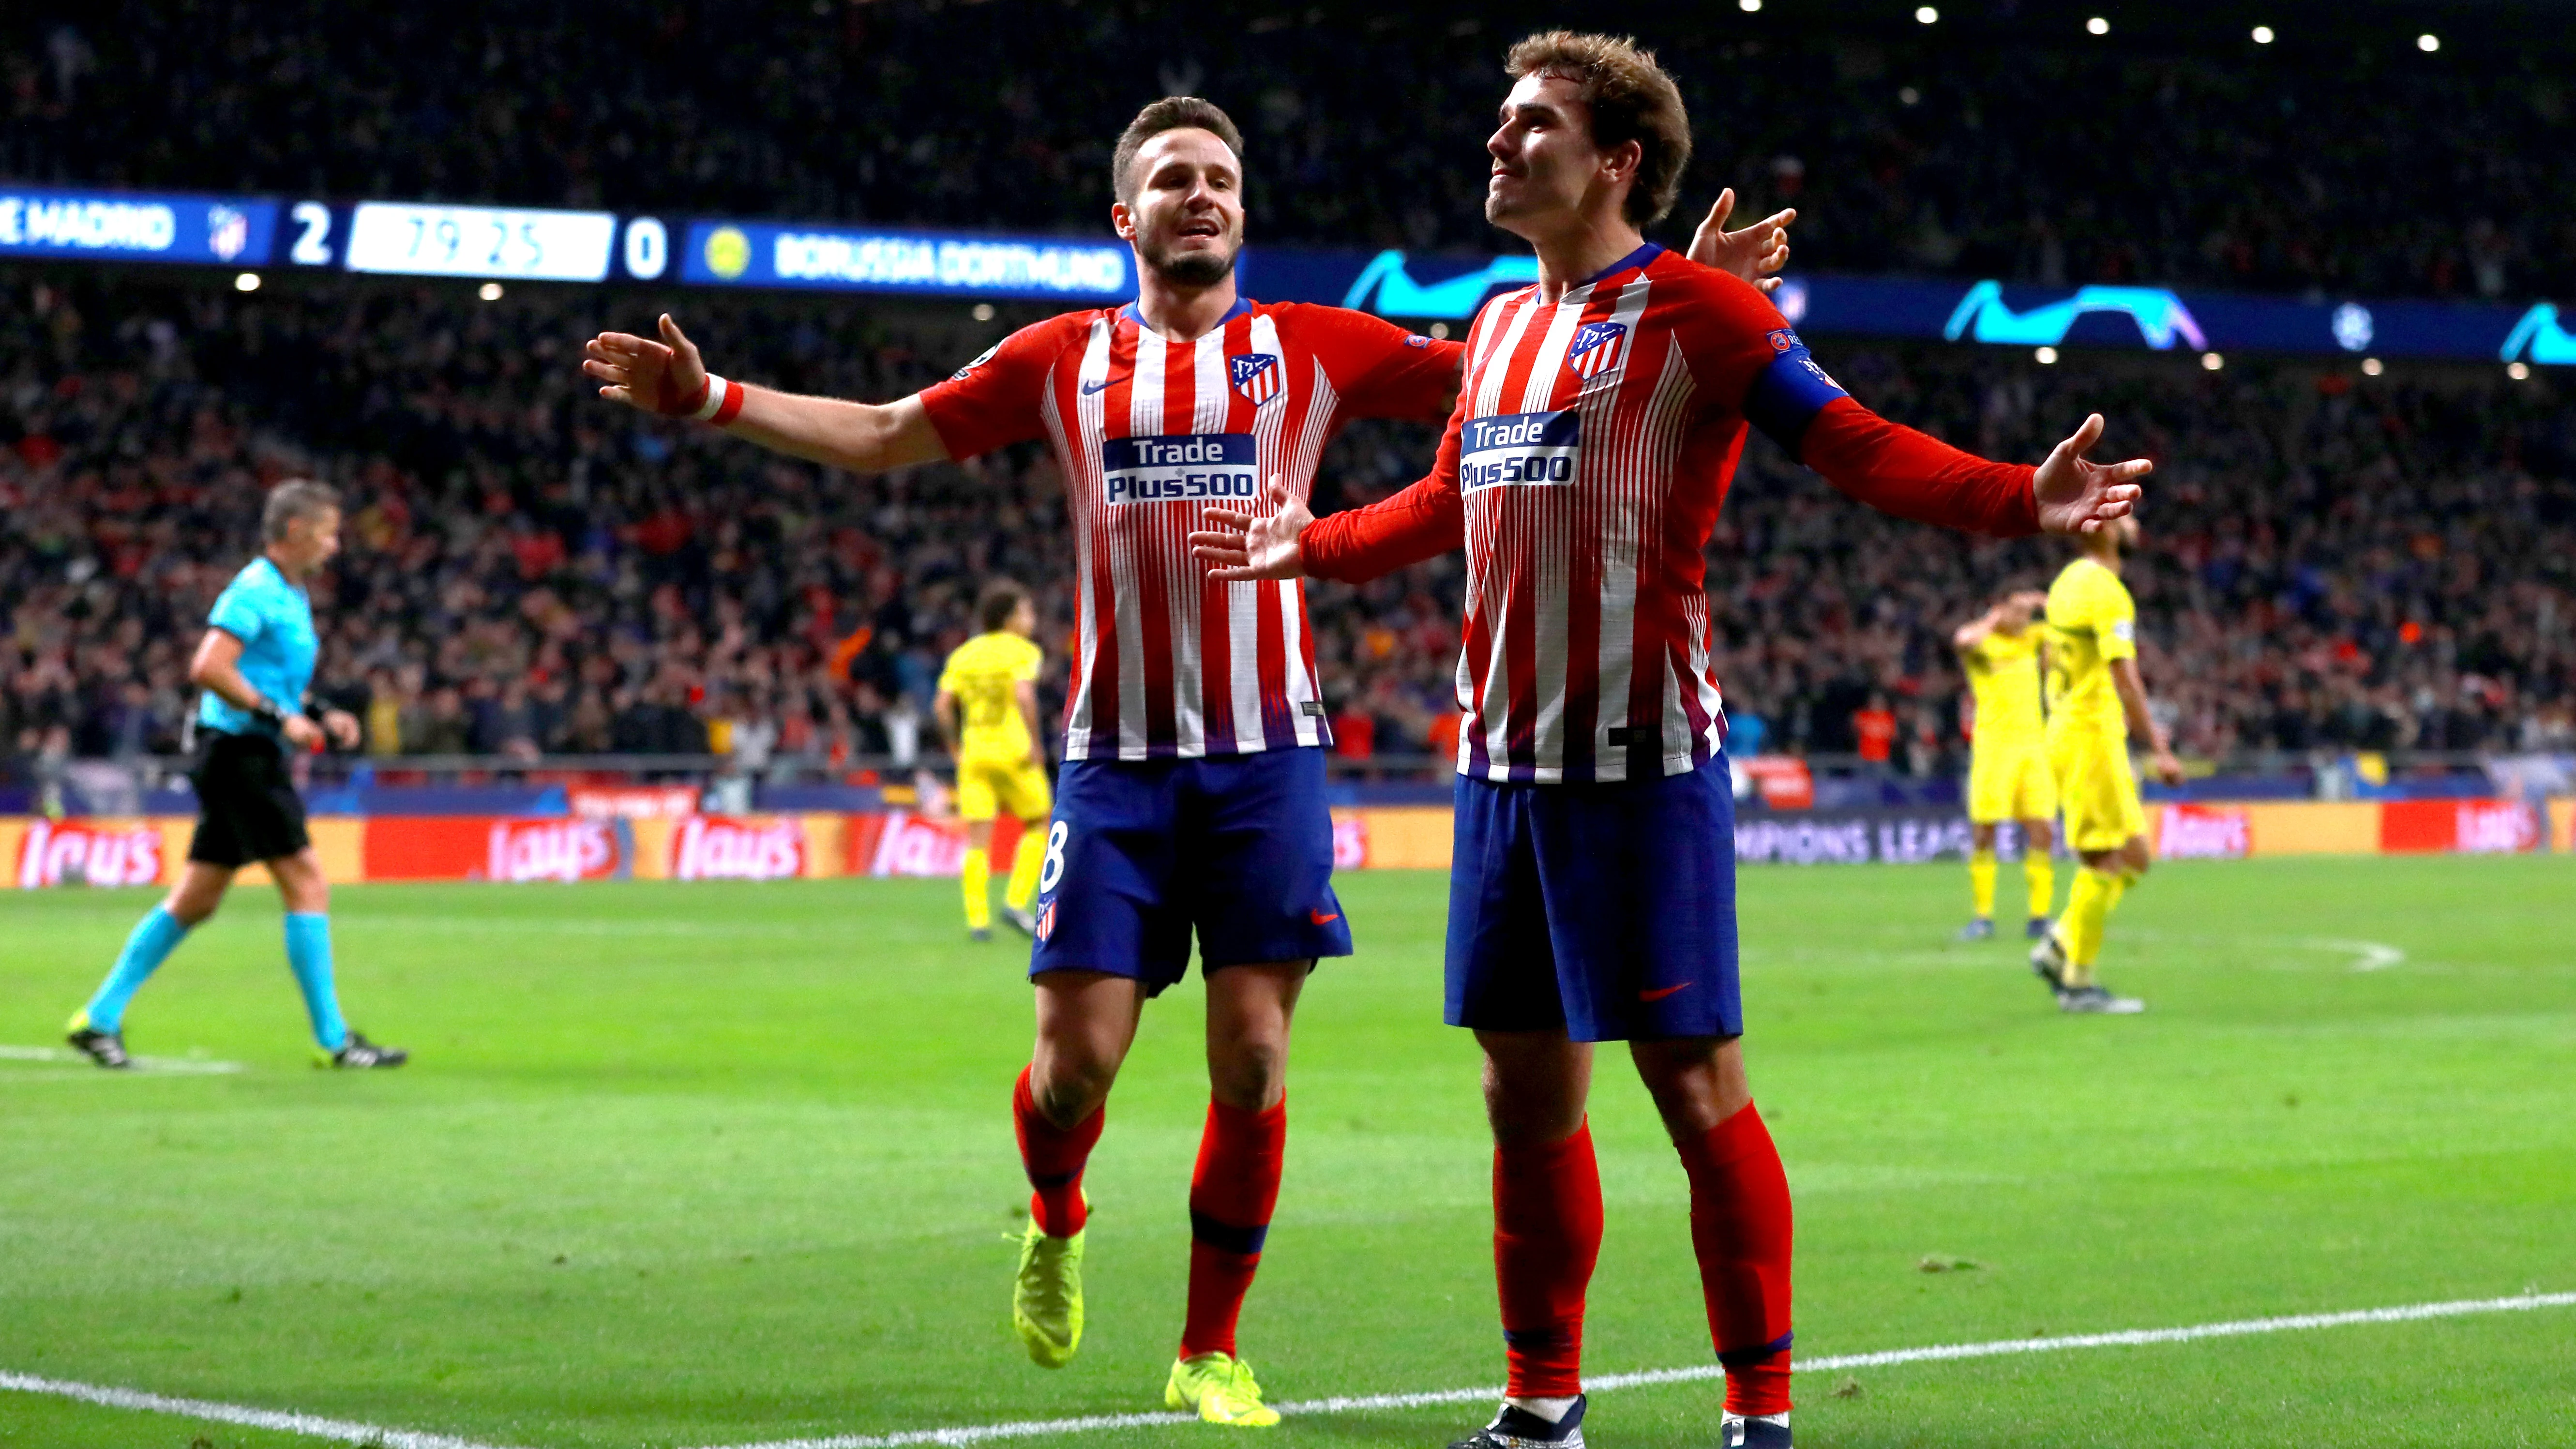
[
  {"x": 166, "y": 1066},
  {"x": 349, "y": 1432}
]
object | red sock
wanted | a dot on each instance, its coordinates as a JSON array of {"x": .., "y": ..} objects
[
  {"x": 1231, "y": 1195},
  {"x": 1053, "y": 1157},
  {"x": 1740, "y": 1230},
  {"x": 1547, "y": 1234}
]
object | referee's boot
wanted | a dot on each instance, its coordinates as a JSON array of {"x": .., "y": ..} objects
[{"x": 357, "y": 1054}]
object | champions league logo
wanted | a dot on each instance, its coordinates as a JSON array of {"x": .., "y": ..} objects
[
  {"x": 1596, "y": 348},
  {"x": 1256, "y": 376}
]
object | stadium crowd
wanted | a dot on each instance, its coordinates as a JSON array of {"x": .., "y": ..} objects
[
  {"x": 2195, "y": 156},
  {"x": 2332, "y": 561}
]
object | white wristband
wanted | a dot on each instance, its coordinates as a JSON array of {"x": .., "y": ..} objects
[{"x": 717, "y": 391}]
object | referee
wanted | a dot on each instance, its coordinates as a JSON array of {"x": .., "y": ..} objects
[{"x": 254, "y": 663}]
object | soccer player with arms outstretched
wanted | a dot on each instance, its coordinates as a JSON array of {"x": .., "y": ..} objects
[
  {"x": 987, "y": 707},
  {"x": 1191, "y": 795},
  {"x": 2008, "y": 774},
  {"x": 2097, "y": 702},
  {"x": 1592, "y": 883},
  {"x": 254, "y": 664}
]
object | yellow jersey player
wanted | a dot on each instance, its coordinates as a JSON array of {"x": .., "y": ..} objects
[
  {"x": 988, "y": 708},
  {"x": 2096, "y": 703},
  {"x": 2008, "y": 773}
]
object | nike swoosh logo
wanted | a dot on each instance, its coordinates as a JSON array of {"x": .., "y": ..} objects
[
  {"x": 1660, "y": 994},
  {"x": 1089, "y": 388},
  {"x": 1320, "y": 919}
]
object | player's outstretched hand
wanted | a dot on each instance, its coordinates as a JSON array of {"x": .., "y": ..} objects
[
  {"x": 664, "y": 378},
  {"x": 342, "y": 727},
  {"x": 1756, "y": 253},
  {"x": 2076, "y": 496},
  {"x": 1240, "y": 546}
]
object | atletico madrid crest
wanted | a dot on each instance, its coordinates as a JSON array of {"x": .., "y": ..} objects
[
  {"x": 1596, "y": 348},
  {"x": 1046, "y": 920},
  {"x": 1257, "y": 376}
]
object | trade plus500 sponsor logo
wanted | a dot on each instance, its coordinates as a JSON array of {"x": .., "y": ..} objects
[
  {"x": 1519, "y": 449},
  {"x": 1181, "y": 466}
]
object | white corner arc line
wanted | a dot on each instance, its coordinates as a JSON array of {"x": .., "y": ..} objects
[
  {"x": 349, "y": 1432},
  {"x": 312, "y": 1426},
  {"x": 2136, "y": 1337}
]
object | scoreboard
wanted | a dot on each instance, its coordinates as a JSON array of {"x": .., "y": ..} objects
[{"x": 495, "y": 244}]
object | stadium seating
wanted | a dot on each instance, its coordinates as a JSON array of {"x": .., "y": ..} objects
[{"x": 2336, "y": 561}]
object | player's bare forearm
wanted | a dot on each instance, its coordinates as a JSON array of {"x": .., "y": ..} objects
[
  {"x": 856, "y": 437},
  {"x": 217, "y": 670},
  {"x": 2132, "y": 689},
  {"x": 943, "y": 709},
  {"x": 1028, "y": 702},
  {"x": 664, "y": 375},
  {"x": 1973, "y": 633}
]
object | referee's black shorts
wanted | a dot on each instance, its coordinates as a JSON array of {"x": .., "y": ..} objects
[{"x": 247, "y": 808}]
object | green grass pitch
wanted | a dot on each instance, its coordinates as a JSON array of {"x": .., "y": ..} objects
[{"x": 714, "y": 1164}]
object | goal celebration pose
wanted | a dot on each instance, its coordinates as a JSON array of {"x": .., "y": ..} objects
[
  {"x": 2008, "y": 774},
  {"x": 1191, "y": 799},
  {"x": 2096, "y": 702},
  {"x": 1592, "y": 883},
  {"x": 254, "y": 664}
]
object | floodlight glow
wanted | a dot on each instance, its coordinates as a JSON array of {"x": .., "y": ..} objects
[
  {"x": 2428, "y": 43},
  {"x": 2211, "y": 362},
  {"x": 2370, "y": 367},
  {"x": 1748, "y": 6},
  {"x": 489, "y": 291},
  {"x": 2262, "y": 35},
  {"x": 1927, "y": 15},
  {"x": 2044, "y": 356},
  {"x": 2098, "y": 26},
  {"x": 2518, "y": 371},
  {"x": 246, "y": 282}
]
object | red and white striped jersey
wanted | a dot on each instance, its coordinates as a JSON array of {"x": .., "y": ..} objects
[
  {"x": 1147, "y": 431},
  {"x": 1592, "y": 445}
]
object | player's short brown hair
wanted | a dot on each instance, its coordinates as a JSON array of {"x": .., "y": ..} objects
[
  {"x": 999, "y": 601},
  {"x": 293, "y": 499},
  {"x": 1631, "y": 97},
  {"x": 1171, "y": 113}
]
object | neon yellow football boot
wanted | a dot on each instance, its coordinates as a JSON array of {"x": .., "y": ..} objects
[
  {"x": 1046, "y": 1298},
  {"x": 1220, "y": 1387}
]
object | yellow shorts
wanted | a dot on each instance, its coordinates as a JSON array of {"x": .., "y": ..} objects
[
  {"x": 1015, "y": 784},
  {"x": 2010, "y": 781},
  {"x": 2097, "y": 787}
]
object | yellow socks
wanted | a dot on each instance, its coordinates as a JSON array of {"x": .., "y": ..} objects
[
  {"x": 2088, "y": 907},
  {"x": 1023, "y": 887},
  {"x": 1981, "y": 881},
  {"x": 979, "y": 889},
  {"x": 2042, "y": 875}
]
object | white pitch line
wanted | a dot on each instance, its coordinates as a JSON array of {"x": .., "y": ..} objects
[
  {"x": 1027, "y": 1428},
  {"x": 163, "y": 1066},
  {"x": 312, "y": 1426},
  {"x": 348, "y": 1432}
]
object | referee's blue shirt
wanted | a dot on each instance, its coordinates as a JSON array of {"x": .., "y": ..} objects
[{"x": 273, "y": 619}]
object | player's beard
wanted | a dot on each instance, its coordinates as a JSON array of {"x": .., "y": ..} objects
[{"x": 1195, "y": 269}]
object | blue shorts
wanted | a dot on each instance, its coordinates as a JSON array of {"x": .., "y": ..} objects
[
  {"x": 1607, "y": 910},
  {"x": 1142, "y": 852}
]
